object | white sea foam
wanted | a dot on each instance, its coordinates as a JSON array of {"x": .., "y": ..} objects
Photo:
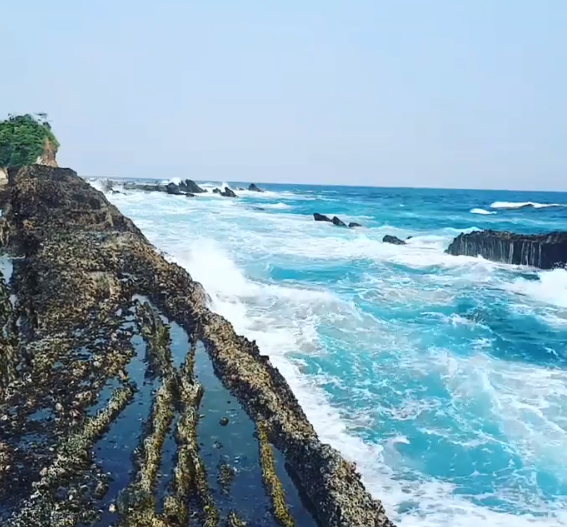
[
  {"x": 551, "y": 288},
  {"x": 523, "y": 205},
  {"x": 279, "y": 205},
  {"x": 482, "y": 211}
]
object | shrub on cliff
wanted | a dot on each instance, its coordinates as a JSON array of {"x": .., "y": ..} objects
[{"x": 23, "y": 139}]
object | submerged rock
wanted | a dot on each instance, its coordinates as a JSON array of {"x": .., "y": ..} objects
[
  {"x": 172, "y": 188},
  {"x": 335, "y": 220},
  {"x": 254, "y": 188},
  {"x": 353, "y": 224},
  {"x": 393, "y": 239},
  {"x": 191, "y": 187},
  {"x": 545, "y": 251},
  {"x": 321, "y": 217},
  {"x": 227, "y": 192},
  {"x": 338, "y": 222}
]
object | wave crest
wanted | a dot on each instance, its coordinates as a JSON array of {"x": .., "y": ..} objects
[{"x": 523, "y": 205}]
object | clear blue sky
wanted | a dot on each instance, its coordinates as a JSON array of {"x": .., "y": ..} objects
[{"x": 444, "y": 93}]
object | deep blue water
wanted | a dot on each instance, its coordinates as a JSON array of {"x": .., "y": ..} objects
[{"x": 443, "y": 377}]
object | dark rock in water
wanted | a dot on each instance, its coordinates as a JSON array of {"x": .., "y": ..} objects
[
  {"x": 172, "y": 188},
  {"x": 409, "y": 238},
  {"x": 545, "y": 251},
  {"x": 189, "y": 195},
  {"x": 228, "y": 193},
  {"x": 321, "y": 217},
  {"x": 254, "y": 188},
  {"x": 353, "y": 224},
  {"x": 393, "y": 239},
  {"x": 191, "y": 187},
  {"x": 145, "y": 187},
  {"x": 223, "y": 421},
  {"x": 334, "y": 220},
  {"x": 258, "y": 208}
]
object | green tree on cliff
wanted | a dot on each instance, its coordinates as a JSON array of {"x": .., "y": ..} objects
[{"x": 23, "y": 139}]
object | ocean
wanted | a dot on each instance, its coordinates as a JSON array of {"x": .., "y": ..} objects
[{"x": 444, "y": 378}]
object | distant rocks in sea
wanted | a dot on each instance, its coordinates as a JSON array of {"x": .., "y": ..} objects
[
  {"x": 226, "y": 193},
  {"x": 254, "y": 188},
  {"x": 393, "y": 240},
  {"x": 545, "y": 251},
  {"x": 186, "y": 187},
  {"x": 335, "y": 220}
]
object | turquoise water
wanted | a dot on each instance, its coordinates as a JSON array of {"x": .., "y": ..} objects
[{"x": 443, "y": 377}]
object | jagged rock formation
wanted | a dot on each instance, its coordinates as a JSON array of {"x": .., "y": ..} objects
[
  {"x": 191, "y": 187},
  {"x": 335, "y": 220},
  {"x": 254, "y": 188},
  {"x": 545, "y": 251},
  {"x": 186, "y": 188},
  {"x": 226, "y": 193},
  {"x": 393, "y": 239},
  {"x": 88, "y": 284}
]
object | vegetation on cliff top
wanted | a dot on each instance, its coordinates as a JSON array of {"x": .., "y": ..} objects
[{"x": 23, "y": 139}]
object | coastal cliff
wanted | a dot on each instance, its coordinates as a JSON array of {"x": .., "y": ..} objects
[
  {"x": 95, "y": 306},
  {"x": 545, "y": 251}
]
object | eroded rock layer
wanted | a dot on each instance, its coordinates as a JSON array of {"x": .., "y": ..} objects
[
  {"x": 89, "y": 289},
  {"x": 545, "y": 251}
]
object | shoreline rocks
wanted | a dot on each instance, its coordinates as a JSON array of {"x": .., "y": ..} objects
[
  {"x": 545, "y": 251},
  {"x": 82, "y": 266},
  {"x": 254, "y": 188}
]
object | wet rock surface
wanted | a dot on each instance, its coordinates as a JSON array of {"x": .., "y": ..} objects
[
  {"x": 335, "y": 220},
  {"x": 186, "y": 187},
  {"x": 393, "y": 239},
  {"x": 89, "y": 289},
  {"x": 254, "y": 188},
  {"x": 545, "y": 251}
]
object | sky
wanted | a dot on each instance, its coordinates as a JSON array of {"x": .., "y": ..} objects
[{"x": 436, "y": 93}]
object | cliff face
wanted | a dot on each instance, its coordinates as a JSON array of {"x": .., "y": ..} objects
[
  {"x": 48, "y": 157},
  {"x": 545, "y": 251},
  {"x": 89, "y": 289}
]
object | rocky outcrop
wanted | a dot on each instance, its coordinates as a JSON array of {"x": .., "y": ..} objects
[
  {"x": 321, "y": 217},
  {"x": 393, "y": 239},
  {"x": 172, "y": 188},
  {"x": 185, "y": 188},
  {"x": 226, "y": 193},
  {"x": 545, "y": 251},
  {"x": 78, "y": 282},
  {"x": 189, "y": 186},
  {"x": 48, "y": 157},
  {"x": 254, "y": 188},
  {"x": 335, "y": 220}
]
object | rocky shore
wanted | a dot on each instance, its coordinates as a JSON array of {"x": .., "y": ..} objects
[
  {"x": 87, "y": 317},
  {"x": 545, "y": 251}
]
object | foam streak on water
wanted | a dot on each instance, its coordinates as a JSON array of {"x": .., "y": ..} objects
[{"x": 444, "y": 377}]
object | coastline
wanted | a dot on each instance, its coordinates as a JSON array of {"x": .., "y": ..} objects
[{"x": 84, "y": 265}]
